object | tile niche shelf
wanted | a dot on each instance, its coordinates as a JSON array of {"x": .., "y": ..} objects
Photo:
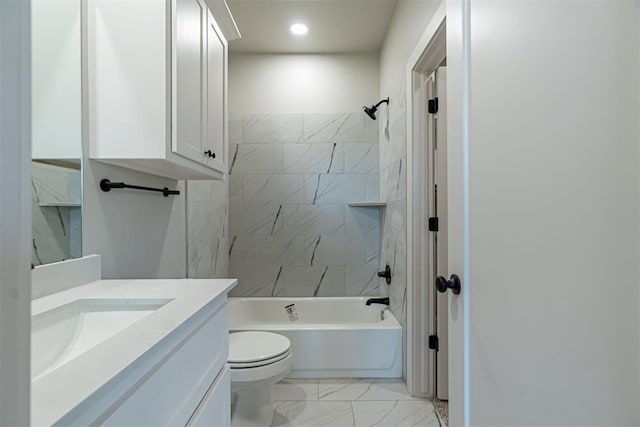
[{"x": 368, "y": 205}]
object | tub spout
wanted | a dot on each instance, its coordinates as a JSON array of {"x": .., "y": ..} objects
[{"x": 384, "y": 301}]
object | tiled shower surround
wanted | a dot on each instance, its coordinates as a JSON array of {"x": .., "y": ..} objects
[
  {"x": 56, "y": 213},
  {"x": 393, "y": 189},
  {"x": 208, "y": 229},
  {"x": 291, "y": 179}
]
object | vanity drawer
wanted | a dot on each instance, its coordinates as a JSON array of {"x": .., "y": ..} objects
[
  {"x": 215, "y": 408},
  {"x": 171, "y": 391}
]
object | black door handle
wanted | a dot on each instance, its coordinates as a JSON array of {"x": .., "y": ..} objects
[
  {"x": 210, "y": 153},
  {"x": 442, "y": 284}
]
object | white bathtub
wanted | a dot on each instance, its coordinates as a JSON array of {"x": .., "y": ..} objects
[{"x": 332, "y": 337}]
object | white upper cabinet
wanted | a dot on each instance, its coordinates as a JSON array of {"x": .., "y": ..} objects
[
  {"x": 56, "y": 93},
  {"x": 190, "y": 79},
  {"x": 216, "y": 98},
  {"x": 157, "y": 86}
]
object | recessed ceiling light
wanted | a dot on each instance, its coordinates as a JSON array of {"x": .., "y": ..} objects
[{"x": 299, "y": 29}]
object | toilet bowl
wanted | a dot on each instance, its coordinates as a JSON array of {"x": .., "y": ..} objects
[{"x": 257, "y": 361}]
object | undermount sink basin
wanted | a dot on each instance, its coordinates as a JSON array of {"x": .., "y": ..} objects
[{"x": 64, "y": 333}]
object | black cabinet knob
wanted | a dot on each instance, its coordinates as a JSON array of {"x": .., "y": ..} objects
[
  {"x": 442, "y": 284},
  {"x": 210, "y": 153}
]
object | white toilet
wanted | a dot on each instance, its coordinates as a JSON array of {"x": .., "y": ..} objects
[{"x": 257, "y": 361}]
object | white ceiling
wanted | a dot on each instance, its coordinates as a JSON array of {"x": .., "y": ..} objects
[{"x": 335, "y": 26}]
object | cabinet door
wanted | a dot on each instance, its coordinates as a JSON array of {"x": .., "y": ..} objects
[
  {"x": 215, "y": 408},
  {"x": 190, "y": 18},
  {"x": 216, "y": 132}
]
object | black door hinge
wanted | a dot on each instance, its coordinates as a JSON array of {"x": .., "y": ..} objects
[
  {"x": 434, "y": 224},
  {"x": 433, "y": 106},
  {"x": 433, "y": 342}
]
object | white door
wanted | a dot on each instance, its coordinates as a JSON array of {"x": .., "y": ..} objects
[
  {"x": 189, "y": 80},
  {"x": 215, "y": 139}
]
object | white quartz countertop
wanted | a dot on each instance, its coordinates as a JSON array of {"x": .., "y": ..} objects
[{"x": 90, "y": 375}]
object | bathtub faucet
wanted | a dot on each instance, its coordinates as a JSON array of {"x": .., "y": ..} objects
[{"x": 384, "y": 301}]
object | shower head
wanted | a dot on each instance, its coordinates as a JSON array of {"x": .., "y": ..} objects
[{"x": 371, "y": 111}]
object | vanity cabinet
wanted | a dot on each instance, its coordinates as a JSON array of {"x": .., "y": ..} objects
[
  {"x": 188, "y": 382},
  {"x": 157, "y": 86},
  {"x": 167, "y": 367},
  {"x": 215, "y": 408}
]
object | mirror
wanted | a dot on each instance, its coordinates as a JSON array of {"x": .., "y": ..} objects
[{"x": 56, "y": 131}]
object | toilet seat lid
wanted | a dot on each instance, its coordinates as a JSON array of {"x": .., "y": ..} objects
[{"x": 256, "y": 346}]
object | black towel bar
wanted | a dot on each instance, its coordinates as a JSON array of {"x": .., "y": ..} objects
[{"x": 106, "y": 185}]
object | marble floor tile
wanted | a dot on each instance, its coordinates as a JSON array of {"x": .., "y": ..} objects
[
  {"x": 294, "y": 389},
  {"x": 442, "y": 411},
  {"x": 363, "y": 389},
  {"x": 395, "y": 414},
  {"x": 312, "y": 414}
]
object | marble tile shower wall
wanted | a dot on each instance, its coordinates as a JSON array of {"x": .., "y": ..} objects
[
  {"x": 291, "y": 179},
  {"x": 207, "y": 229},
  {"x": 393, "y": 190},
  {"x": 56, "y": 213}
]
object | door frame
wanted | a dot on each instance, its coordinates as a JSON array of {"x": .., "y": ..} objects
[
  {"x": 428, "y": 54},
  {"x": 15, "y": 211}
]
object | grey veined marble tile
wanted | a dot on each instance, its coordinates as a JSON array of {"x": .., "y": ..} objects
[
  {"x": 335, "y": 250},
  {"x": 258, "y": 220},
  {"x": 364, "y": 389},
  {"x": 208, "y": 191},
  {"x": 313, "y": 219},
  {"x": 205, "y": 261},
  {"x": 362, "y": 220},
  {"x": 257, "y": 281},
  {"x": 256, "y": 159},
  {"x": 235, "y": 189},
  {"x": 266, "y": 128},
  {"x": 313, "y": 158},
  {"x": 295, "y": 389},
  {"x": 332, "y": 189},
  {"x": 272, "y": 250},
  {"x": 314, "y": 281},
  {"x": 312, "y": 414},
  {"x": 335, "y": 127},
  {"x": 361, "y": 158},
  {"x": 372, "y": 187},
  {"x": 372, "y": 249},
  {"x": 55, "y": 185},
  {"x": 206, "y": 222},
  {"x": 362, "y": 280},
  {"x": 48, "y": 250},
  {"x": 235, "y": 128},
  {"x": 273, "y": 189},
  {"x": 75, "y": 232},
  {"x": 395, "y": 414}
]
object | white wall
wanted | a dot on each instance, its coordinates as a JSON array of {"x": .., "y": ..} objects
[
  {"x": 554, "y": 212},
  {"x": 15, "y": 211},
  {"x": 410, "y": 20},
  {"x": 139, "y": 234},
  {"x": 286, "y": 83}
]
